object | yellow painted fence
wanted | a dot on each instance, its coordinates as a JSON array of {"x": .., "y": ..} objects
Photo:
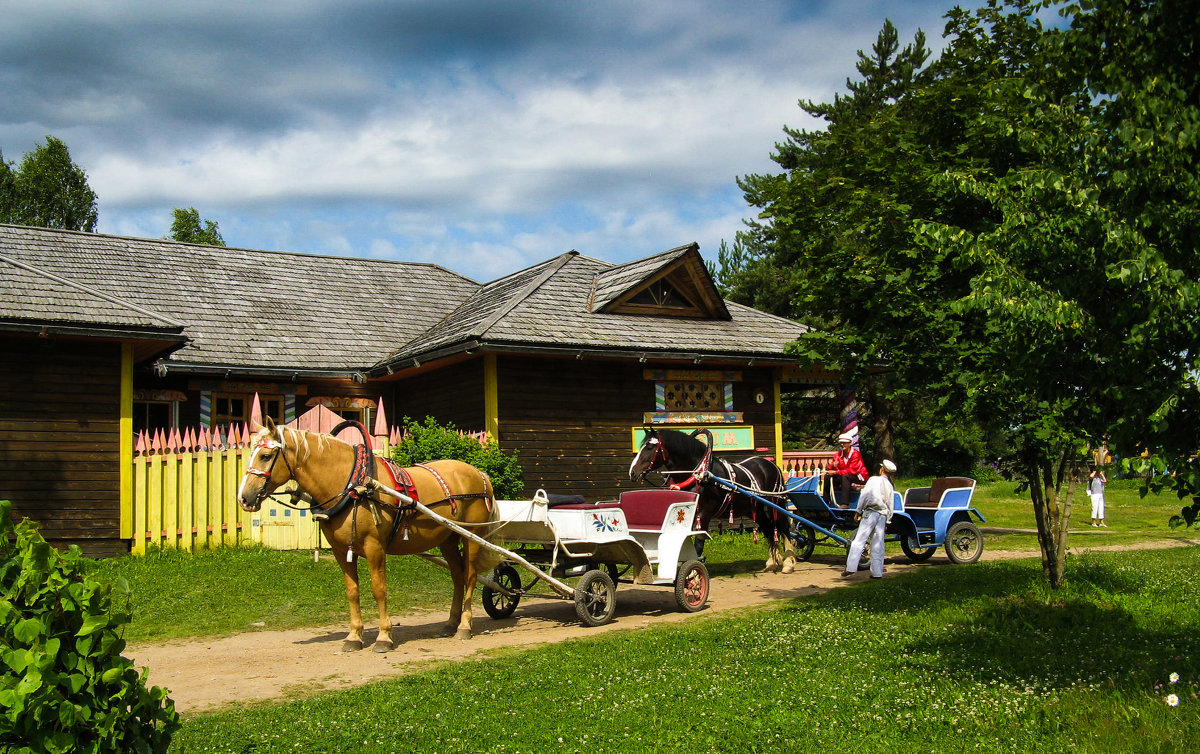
[{"x": 185, "y": 497}]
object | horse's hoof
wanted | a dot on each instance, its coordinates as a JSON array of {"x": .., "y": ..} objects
[
  {"x": 463, "y": 634},
  {"x": 447, "y": 631},
  {"x": 381, "y": 647},
  {"x": 788, "y": 569},
  {"x": 350, "y": 645}
]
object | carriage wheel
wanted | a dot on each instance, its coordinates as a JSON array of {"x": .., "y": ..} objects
[
  {"x": 915, "y": 552},
  {"x": 691, "y": 586},
  {"x": 497, "y": 604},
  {"x": 595, "y": 598},
  {"x": 964, "y": 542},
  {"x": 805, "y": 538}
]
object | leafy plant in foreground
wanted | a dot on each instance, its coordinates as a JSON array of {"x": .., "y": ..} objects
[{"x": 64, "y": 685}]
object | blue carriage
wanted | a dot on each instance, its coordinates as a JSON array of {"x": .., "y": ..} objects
[{"x": 925, "y": 518}]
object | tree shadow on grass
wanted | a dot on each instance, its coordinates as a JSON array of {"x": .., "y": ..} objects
[{"x": 1001, "y": 622}]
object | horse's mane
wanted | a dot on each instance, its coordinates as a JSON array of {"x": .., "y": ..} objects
[
  {"x": 300, "y": 440},
  {"x": 681, "y": 445}
]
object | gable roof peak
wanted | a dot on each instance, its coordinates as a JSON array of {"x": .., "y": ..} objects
[{"x": 675, "y": 282}]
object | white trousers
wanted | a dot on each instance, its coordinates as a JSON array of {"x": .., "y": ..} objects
[
  {"x": 871, "y": 526},
  {"x": 1097, "y": 504}
]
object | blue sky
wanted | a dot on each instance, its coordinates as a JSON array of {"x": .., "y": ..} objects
[{"x": 482, "y": 135}]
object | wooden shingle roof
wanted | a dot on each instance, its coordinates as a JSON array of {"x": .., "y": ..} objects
[
  {"x": 244, "y": 309},
  {"x": 548, "y": 308}
]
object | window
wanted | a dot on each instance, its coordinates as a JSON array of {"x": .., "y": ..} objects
[
  {"x": 150, "y": 416},
  {"x": 661, "y": 293},
  {"x": 229, "y": 409},
  {"x": 272, "y": 406}
]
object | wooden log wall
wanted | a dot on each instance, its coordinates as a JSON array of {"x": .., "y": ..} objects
[
  {"x": 60, "y": 439},
  {"x": 571, "y": 420},
  {"x": 452, "y": 394}
]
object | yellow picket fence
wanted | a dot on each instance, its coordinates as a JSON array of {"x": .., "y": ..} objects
[
  {"x": 185, "y": 489},
  {"x": 185, "y": 497}
]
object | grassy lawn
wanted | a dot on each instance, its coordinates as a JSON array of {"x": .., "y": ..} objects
[{"x": 973, "y": 658}]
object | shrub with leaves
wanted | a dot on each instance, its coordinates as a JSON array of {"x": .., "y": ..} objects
[
  {"x": 65, "y": 686},
  {"x": 431, "y": 442}
]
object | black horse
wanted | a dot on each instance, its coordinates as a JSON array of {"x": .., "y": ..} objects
[{"x": 685, "y": 458}]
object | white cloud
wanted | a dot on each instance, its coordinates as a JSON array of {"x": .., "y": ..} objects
[{"x": 490, "y": 135}]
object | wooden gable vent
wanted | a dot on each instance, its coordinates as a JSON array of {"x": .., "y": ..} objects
[{"x": 675, "y": 283}]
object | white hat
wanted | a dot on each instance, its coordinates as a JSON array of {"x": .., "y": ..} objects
[
  {"x": 845, "y": 437},
  {"x": 888, "y": 466}
]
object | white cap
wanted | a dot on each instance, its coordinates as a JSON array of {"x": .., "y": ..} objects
[
  {"x": 888, "y": 466},
  {"x": 845, "y": 437}
]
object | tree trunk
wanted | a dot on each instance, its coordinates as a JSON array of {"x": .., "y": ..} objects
[
  {"x": 1053, "y": 518},
  {"x": 885, "y": 446}
]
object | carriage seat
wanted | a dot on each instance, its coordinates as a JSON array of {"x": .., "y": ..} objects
[
  {"x": 646, "y": 509},
  {"x": 931, "y": 496},
  {"x": 555, "y": 501}
]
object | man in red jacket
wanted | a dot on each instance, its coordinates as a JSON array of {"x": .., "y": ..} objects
[{"x": 846, "y": 471}]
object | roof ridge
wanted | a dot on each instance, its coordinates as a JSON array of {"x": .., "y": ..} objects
[
  {"x": 221, "y": 249},
  {"x": 91, "y": 291},
  {"x": 552, "y": 267}
]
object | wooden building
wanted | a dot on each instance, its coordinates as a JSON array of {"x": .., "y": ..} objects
[{"x": 562, "y": 362}]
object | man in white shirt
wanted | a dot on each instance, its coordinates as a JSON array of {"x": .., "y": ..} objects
[{"x": 875, "y": 507}]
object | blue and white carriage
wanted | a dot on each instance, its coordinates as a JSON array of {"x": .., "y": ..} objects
[{"x": 925, "y": 518}]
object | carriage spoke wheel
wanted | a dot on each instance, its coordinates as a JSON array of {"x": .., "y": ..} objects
[
  {"x": 691, "y": 586},
  {"x": 964, "y": 542},
  {"x": 595, "y": 598},
  {"x": 916, "y": 552},
  {"x": 498, "y": 604},
  {"x": 805, "y": 538}
]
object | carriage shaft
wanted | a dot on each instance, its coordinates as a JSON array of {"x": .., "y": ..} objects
[{"x": 563, "y": 589}]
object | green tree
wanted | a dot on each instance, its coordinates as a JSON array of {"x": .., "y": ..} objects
[
  {"x": 1014, "y": 229},
  {"x": 8, "y": 191},
  {"x": 47, "y": 190},
  {"x": 848, "y": 193},
  {"x": 186, "y": 227}
]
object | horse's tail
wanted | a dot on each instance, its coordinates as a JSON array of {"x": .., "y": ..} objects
[{"x": 485, "y": 559}]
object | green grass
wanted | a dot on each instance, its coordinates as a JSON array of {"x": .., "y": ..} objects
[
  {"x": 226, "y": 591},
  {"x": 973, "y": 658}
]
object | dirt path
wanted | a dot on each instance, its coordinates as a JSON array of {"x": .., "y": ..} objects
[{"x": 268, "y": 665}]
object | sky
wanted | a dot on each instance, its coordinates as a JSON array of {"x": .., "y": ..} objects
[{"x": 481, "y": 135}]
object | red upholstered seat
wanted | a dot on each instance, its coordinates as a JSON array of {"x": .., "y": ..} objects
[{"x": 646, "y": 509}]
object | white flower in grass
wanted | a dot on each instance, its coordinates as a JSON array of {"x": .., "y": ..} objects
[
  {"x": 1173, "y": 700},
  {"x": 1174, "y": 678}
]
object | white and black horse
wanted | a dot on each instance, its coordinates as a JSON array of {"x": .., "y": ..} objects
[{"x": 683, "y": 459}]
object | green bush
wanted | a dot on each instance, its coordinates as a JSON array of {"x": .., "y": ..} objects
[
  {"x": 431, "y": 442},
  {"x": 65, "y": 686}
]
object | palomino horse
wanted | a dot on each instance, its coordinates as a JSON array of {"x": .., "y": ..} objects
[
  {"x": 685, "y": 454},
  {"x": 358, "y": 522}
]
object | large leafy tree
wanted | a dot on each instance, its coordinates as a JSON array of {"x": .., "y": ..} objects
[
  {"x": 1016, "y": 229},
  {"x": 47, "y": 190},
  {"x": 187, "y": 227},
  {"x": 834, "y": 246}
]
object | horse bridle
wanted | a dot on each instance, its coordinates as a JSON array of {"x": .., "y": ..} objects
[
  {"x": 660, "y": 458},
  {"x": 267, "y": 443}
]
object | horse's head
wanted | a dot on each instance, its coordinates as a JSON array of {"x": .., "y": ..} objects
[
  {"x": 652, "y": 454},
  {"x": 268, "y": 467}
]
